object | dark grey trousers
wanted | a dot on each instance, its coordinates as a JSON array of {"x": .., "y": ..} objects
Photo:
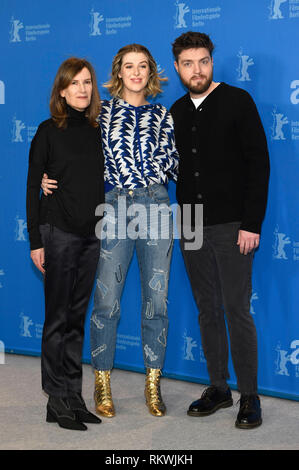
[{"x": 220, "y": 278}]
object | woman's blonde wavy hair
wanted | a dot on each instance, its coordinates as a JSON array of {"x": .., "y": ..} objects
[{"x": 115, "y": 84}]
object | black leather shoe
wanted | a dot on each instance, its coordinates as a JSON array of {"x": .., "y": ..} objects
[
  {"x": 59, "y": 411},
  {"x": 250, "y": 414},
  {"x": 78, "y": 406},
  {"x": 210, "y": 401}
]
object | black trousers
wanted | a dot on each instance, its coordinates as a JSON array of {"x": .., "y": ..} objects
[
  {"x": 70, "y": 264},
  {"x": 220, "y": 278}
]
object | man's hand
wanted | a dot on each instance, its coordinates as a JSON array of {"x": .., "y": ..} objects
[
  {"x": 38, "y": 257},
  {"x": 47, "y": 184},
  {"x": 248, "y": 241}
]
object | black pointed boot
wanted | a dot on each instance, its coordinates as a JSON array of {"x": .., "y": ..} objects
[
  {"x": 59, "y": 411},
  {"x": 78, "y": 406}
]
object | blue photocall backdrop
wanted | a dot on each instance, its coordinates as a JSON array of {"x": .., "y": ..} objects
[{"x": 256, "y": 49}]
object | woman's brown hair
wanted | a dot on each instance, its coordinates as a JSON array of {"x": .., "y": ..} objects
[
  {"x": 115, "y": 84},
  {"x": 65, "y": 74}
]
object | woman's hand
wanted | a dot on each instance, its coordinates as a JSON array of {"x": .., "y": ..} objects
[
  {"x": 38, "y": 257},
  {"x": 47, "y": 184}
]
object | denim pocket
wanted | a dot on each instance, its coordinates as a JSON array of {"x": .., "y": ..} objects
[
  {"x": 160, "y": 195},
  {"x": 111, "y": 196}
]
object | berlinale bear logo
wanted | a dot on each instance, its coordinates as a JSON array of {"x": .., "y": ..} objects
[
  {"x": 16, "y": 26},
  {"x": 275, "y": 9}
]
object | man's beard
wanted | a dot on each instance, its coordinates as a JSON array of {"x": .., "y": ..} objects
[{"x": 201, "y": 87}]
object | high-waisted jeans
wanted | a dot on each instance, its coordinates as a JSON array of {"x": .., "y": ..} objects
[{"x": 131, "y": 213}]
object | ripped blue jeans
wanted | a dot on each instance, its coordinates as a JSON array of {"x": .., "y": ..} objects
[{"x": 141, "y": 219}]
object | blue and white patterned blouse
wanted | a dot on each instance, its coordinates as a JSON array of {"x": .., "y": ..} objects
[{"x": 138, "y": 144}]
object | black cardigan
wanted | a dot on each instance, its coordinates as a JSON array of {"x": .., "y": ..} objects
[
  {"x": 224, "y": 162},
  {"x": 74, "y": 157}
]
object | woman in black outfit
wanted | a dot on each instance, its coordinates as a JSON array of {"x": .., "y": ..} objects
[{"x": 62, "y": 232}]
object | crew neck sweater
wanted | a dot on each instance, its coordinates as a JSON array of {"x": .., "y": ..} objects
[
  {"x": 224, "y": 162},
  {"x": 73, "y": 156}
]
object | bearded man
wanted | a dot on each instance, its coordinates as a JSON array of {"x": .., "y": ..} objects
[{"x": 224, "y": 165}]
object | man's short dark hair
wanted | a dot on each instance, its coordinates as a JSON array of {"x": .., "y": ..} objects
[{"x": 191, "y": 40}]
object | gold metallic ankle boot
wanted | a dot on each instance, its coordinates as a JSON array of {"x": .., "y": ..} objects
[
  {"x": 152, "y": 393},
  {"x": 102, "y": 394}
]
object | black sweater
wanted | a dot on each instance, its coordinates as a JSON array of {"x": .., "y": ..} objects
[
  {"x": 74, "y": 157},
  {"x": 224, "y": 162}
]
